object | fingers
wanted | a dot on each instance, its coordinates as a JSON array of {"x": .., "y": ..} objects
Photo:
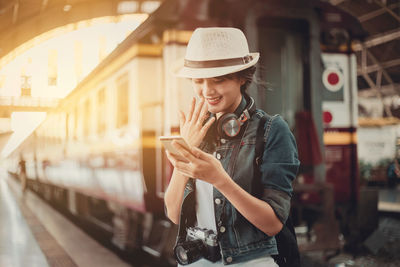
[
  {"x": 182, "y": 119},
  {"x": 207, "y": 126},
  {"x": 199, "y": 153},
  {"x": 184, "y": 168},
  {"x": 191, "y": 110},
  {"x": 204, "y": 113},
  {"x": 197, "y": 110},
  {"x": 204, "y": 109},
  {"x": 180, "y": 163},
  {"x": 187, "y": 154},
  {"x": 171, "y": 157},
  {"x": 174, "y": 159}
]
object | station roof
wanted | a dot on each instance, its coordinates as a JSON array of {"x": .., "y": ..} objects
[
  {"x": 22, "y": 20},
  {"x": 378, "y": 56}
]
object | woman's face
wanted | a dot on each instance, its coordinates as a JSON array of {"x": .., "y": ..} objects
[{"x": 222, "y": 95}]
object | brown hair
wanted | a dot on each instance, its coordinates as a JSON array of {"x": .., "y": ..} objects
[{"x": 246, "y": 74}]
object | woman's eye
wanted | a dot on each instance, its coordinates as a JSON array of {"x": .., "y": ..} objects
[
  {"x": 197, "y": 81},
  {"x": 218, "y": 80}
]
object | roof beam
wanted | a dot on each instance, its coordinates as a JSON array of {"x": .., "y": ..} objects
[
  {"x": 391, "y": 89},
  {"x": 384, "y": 6},
  {"x": 376, "y": 62},
  {"x": 44, "y": 5},
  {"x": 378, "y": 39},
  {"x": 336, "y": 2},
  {"x": 377, "y": 89},
  {"x": 377, "y": 85},
  {"x": 5, "y": 8},
  {"x": 376, "y": 67},
  {"x": 377, "y": 12},
  {"x": 15, "y": 12}
]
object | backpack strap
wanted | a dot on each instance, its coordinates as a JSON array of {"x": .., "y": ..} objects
[
  {"x": 260, "y": 137},
  {"x": 286, "y": 240},
  {"x": 259, "y": 151}
]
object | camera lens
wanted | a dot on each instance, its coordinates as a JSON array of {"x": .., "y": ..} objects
[
  {"x": 189, "y": 251},
  {"x": 181, "y": 254}
]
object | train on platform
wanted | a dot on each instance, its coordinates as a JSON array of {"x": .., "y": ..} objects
[{"x": 98, "y": 154}]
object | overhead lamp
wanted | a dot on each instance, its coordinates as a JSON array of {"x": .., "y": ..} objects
[
  {"x": 125, "y": 7},
  {"x": 150, "y": 6},
  {"x": 67, "y": 7}
]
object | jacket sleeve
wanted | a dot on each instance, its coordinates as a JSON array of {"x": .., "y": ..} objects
[{"x": 279, "y": 166}]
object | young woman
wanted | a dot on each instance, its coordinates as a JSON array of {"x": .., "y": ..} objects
[{"x": 224, "y": 186}]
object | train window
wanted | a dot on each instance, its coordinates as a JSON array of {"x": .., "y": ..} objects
[
  {"x": 101, "y": 119},
  {"x": 122, "y": 100}
]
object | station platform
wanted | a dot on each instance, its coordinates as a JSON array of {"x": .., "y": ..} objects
[
  {"x": 389, "y": 200},
  {"x": 34, "y": 234}
]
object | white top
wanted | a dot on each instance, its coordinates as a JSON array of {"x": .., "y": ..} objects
[
  {"x": 206, "y": 219},
  {"x": 205, "y": 206},
  {"x": 266, "y": 261}
]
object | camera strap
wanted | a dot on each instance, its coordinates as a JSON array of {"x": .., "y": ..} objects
[{"x": 188, "y": 212}]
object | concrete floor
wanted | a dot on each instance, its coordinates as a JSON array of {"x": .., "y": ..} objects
[{"x": 18, "y": 247}]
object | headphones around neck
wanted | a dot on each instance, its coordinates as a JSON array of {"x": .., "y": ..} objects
[{"x": 229, "y": 124}]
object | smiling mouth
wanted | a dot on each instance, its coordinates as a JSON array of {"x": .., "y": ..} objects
[{"x": 214, "y": 100}]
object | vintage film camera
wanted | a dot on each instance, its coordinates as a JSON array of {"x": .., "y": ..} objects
[{"x": 200, "y": 243}]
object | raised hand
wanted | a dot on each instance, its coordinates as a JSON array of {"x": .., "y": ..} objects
[{"x": 191, "y": 125}]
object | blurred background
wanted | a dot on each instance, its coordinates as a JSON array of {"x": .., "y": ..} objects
[{"x": 86, "y": 89}]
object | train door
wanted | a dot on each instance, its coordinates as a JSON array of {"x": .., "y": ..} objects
[
  {"x": 340, "y": 124},
  {"x": 147, "y": 83},
  {"x": 281, "y": 45}
]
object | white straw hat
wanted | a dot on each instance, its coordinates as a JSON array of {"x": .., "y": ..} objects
[{"x": 213, "y": 52}]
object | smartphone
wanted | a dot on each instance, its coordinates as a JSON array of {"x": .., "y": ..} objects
[{"x": 167, "y": 140}]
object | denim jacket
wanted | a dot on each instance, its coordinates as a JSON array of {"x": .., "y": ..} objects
[{"x": 240, "y": 240}]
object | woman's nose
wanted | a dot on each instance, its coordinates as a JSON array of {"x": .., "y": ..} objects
[{"x": 208, "y": 88}]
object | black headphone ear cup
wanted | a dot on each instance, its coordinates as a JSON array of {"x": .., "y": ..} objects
[{"x": 228, "y": 125}]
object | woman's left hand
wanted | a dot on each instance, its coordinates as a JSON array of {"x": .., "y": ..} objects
[{"x": 201, "y": 165}]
